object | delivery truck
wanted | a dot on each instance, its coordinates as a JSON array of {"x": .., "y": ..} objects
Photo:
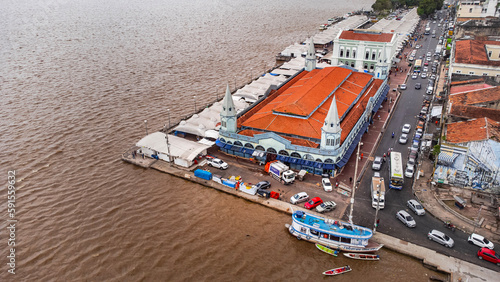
[{"x": 280, "y": 172}]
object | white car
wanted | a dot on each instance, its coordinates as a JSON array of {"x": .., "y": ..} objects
[
  {"x": 480, "y": 241},
  {"x": 327, "y": 185},
  {"x": 402, "y": 86},
  {"x": 299, "y": 198},
  {"x": 429, "y": 54},
  {"x": 377, "y": 163},
  {"x": 441, "y": 238},
  {"x": 403, "y": 138},
  {"x": 410, "y": 169},
  {"x": 423, "y": 75},
  {"x": 326, "y": 206},
  {"x": 406, "y": 128},
  {"x": 217, "y": 163},
  {"x": 406, "y": 218},
  {"x": 416, "y": 207},
  {"x": 414, "y": 76}
]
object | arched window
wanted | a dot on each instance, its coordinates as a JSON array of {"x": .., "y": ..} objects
[
  {"x": 238, "y": 143},
  {"x": 248, "y": 145},
  {"x": 354, "y": 52},
  {"x": 341, "y": 54},
  {"x": 319, "y": 161},
  {"x": 222, "y": 140},
  {"x": 373, "y": 55},
  {"x": 347, "y": 51},
  {"x": 271, "y": 150},
  {"x": 296, "y": 155},
  {"x": 367, "y": 54},
  {"x": 229, "y": 142},
  {"x": 308, "y": 157},
  {"x": 371, "y": 66},
  {"x": 283, "y": 153},
  {"x": 352, "y": 64},
  {"x": 260, "y": 148},
  {"x": 365, "y": 66},
  {"x": 328, "y": 161}
]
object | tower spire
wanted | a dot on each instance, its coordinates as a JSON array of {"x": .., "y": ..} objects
[
  {"x": 228, "y": 113},
  {"x": 311, "y": 57},
  {"x": 332, "y": 121}
]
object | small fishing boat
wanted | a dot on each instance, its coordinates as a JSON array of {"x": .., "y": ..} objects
[
  {"x": 327, "y": 250},
  {"x": 362, "y": 256},
  {"x": 338, "y": 270}
]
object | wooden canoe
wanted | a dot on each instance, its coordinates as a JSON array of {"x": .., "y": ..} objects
[
  {"x": 327, "y": 250},
  {"x": 338, "y": 270},
  {"x": 362, "y": 256}
]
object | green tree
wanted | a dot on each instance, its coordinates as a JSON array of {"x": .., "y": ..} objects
[
  {"x": 381, "y": 5},
  {"x": 427, "y": 7}
]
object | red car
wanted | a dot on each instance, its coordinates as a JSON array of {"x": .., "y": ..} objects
[
  {"x": 488, "y": 255},
  {"x": 314, "y": 202}
]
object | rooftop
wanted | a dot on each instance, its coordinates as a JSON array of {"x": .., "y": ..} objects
[
  {"x": 298, "y": 109},
  {"x": 473, "y": 130},
  {"x": 366, "y": 36},
  {"x": 474, "y": 52},
  {"x": 477, "y": 96}
]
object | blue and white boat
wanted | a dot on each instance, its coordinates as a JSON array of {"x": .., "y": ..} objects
[{"x": 332, "y": 233}]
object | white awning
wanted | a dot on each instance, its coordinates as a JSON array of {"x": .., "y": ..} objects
[{"x": 179, "y": 147}]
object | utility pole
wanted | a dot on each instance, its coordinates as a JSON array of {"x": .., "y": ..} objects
[
  {"x": 355, "y": 183},
  {"x": 146, "y": 123}
]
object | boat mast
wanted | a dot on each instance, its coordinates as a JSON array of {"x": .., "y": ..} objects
[{"x": 355, "y": 183}]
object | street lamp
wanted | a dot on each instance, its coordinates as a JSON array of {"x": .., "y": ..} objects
[
  {"x": 251, "y": 69},
  {"x": 194, "y": 97},
  {"x": 146, "y": 123},
  {"x": 217, "y": 92},
  {"x": 355, "y": 184},
  {"x": 235, "y": 83},
  {"x": 168, "y": 110}
]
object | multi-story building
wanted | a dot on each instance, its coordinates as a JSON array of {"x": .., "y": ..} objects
[
  {"x": 477, "y": 58},
  {"x": 476, "y": 9}
]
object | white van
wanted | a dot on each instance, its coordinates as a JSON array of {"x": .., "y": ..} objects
[{"x": 429, "y": 90}]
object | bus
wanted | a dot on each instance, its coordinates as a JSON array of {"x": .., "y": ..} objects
[
  {"x": 396, "y": 174},
  {"x": 427, "y": 30},
  {"x": 418, "y": 65}
]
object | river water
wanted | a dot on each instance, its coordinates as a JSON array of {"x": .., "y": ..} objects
[{"x": 77, "y": 81}]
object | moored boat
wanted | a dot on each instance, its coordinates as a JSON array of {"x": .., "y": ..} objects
[
  {"x": 362, "y": 256},
  {"x": 332, "y": 233},
  {"x": 327, "y": 250},
  {"x": 338, "y": 270}
]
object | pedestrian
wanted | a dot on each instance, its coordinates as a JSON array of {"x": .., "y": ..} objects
[
  {"x": 350, "y": 179},
  {"x": 361, "y": 155},
  {"x": 336, "y": 184}
]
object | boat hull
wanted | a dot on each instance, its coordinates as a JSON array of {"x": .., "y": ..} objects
[
  {"x": 338, "y": 270},
  {"x": 327, "y": 250},
  {"x": 371, "y": 247},
  {"x": 362, "y": 256}
]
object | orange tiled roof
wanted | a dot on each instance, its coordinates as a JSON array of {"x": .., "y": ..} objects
[
  {"x": 474, "y": 52},
  {"x": 470, "y": 87},
  {"x": 300, "y": 107},
  {"x": 375, "y": 37},
  {"x": 474, "y": 112},
  {"x": 476, "y": 96},
  {"x": 460, "y": 82},
  {"x": 472, "y": 130}
]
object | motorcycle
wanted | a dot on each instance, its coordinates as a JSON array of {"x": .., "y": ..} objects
[
  {"x": 393, "y": 134},
  {"x": 449, "y": 225}
]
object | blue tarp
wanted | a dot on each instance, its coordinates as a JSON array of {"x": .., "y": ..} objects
[
  {"x": 237, "y": 149},
  {"x": 328, "y": 166},
  {"x": 203, "y": 174},
  {"x": 248, "y": 151},
  {"x": 219, "y": 143}
]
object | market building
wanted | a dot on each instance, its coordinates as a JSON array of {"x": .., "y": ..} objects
[{"x": 312, "y": 121}]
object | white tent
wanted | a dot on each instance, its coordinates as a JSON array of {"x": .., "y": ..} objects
[{"x": 182, "y": 151}]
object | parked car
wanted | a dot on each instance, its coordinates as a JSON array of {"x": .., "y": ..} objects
[
  {"x": 416, "y": 207},
  {"x": 377, "y": 163},
  {"x": 314, "y": 202},
  {"x": 418, "y": 85},
  {"x": 217, "y": 163},
  {"x": 426, "y": 63},
  {"x": 406, "y": 128},
  {"x": 414, "y": 145},
  {"x": 418, "y": 133},
  {"x": 326, "y": 207},
  {"x": 488, "y": 255},
  {"x": 420, "y": 124},
  {"x": 263, "y": 185},
  {"x": 406, "y": 218},
  {"x": 402, "y": 86},
  {"x": 423, "y": 75},
  {"x": 410, "y": 169},
  {"x": 425, "y": 69},
  {"x": 412, "y": 158},
  {"x": 414, "y": 76},
  {"x": 403, "y": 138},
  {"x": 299, "y": 198},
  {"x": 441, "y": 238},
  {"x": 480, "y": 241},
  {"x": 429, "y": 54},
  {"x": 327, "y": 185}
]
